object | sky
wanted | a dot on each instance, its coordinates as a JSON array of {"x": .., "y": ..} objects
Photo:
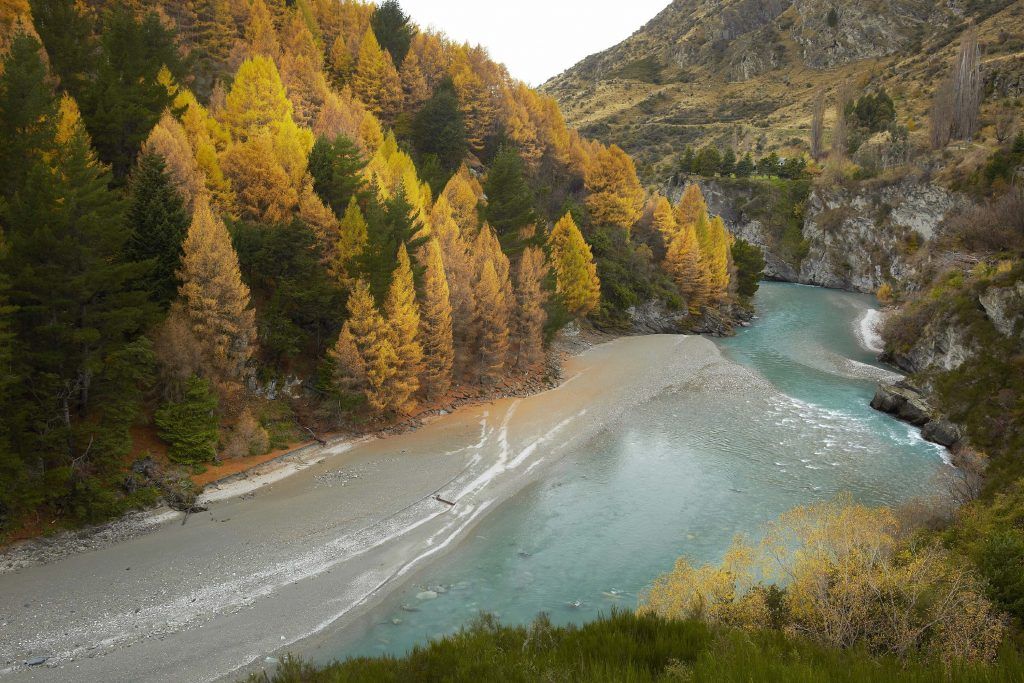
[{"x": 536, "y": 39}]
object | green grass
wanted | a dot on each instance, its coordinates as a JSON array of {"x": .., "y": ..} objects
[{"x": 625, "y": 647}]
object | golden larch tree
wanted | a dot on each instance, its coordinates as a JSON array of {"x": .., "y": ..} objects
[
  {"x": 257, "y": 101},
  {"x": 492, "y": 328},
  {"x": 376, "y": 81},
  {"x": 213, "y": 297},
  {"x": 169, "y": 140},
  {"x": 530, "y": 315},
  {"x": 575, "y": 270},
  {"x": 461, "y": 277},
  {"x": 415, "y": 89},
  {"x": 263, "y": 189},
  {"x": 352, "y": 240},
  {"x": 349, "y": 374},
  {"x": 664, "y": 219},
  {"x": 691, "y": 206},
  {"x": 402, "y": 313},
  {"x": 260, "y": 34},
  {"x": 463, "y": 193},
  {"x": 688, "y": 270},
  {"x": 614, "y": 193},
  {"x": 436, "y": 324},
  {"x": 714, "y": 248}
]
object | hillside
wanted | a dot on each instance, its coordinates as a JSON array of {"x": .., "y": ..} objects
[{"x": 746, "y": 73}]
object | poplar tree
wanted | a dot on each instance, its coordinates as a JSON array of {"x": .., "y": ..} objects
[
  {"x": 403, "y": 318},
  {"x": 818, "y": 126},
  {"x": 688, "y": 270},
  {"x": 213, "y": 298},
  {"x": 530, "y": 316},
  {"x": 614, "y": 194},
  {"x": 436, "y": 324},
  {"x": 575, "y": 271},
  {"x": 376, "y": 80},
  {"x": 158, "y": 223}
]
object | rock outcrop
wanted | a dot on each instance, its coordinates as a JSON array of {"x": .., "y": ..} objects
[
  {"x": 1004, "y": 306},
  {"x": 909, "y": 404}
]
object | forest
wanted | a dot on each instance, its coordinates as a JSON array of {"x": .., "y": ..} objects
[{"x": 227, "y": 224}]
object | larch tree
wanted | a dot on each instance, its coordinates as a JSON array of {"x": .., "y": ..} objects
[
  {"x": 436, "y": 324},
  {"x": 368, "y": 332},
  {"x": 576, "y": 278},
  {"x": 302, "y": 69},
  {"x": 461, "y": 278},
  {"x": 213, "y": 298},
  {"x": 260, "y": 34},
  {"x": 530, "y": 315},
  {"x": 263, "y": 189},
  {"x": 158, "y": 222},
  {"x": 376, "y": 81},
  {"x": 402, "y": 313},
  {"x": 169, "y": 141},
  {"x": 664, "y": 219},
  {"x": 352, "y": 240},
  {"x": 349, "y": 370},
  {"x": 691, "y": 206},
  {"x": 713, "y": 239},
  {"x": 415, "y": 89},
  {"x": 463, "y": 194},
  {"x": 614, "y": 194},
  {"x": 492, "y": 328},
  {"x": 688, "y": 270},
  {"x": 257, "y": 101}
]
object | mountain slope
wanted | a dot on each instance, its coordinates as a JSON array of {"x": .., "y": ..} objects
[{"x": 745, "y": 73}]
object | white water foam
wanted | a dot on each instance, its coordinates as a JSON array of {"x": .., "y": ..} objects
[{"x": 867, "y": 331}]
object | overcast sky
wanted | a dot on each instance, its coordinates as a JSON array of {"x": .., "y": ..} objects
[{"x": 536, "y": 39}]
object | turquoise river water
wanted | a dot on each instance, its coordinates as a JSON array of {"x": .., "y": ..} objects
[{"x": 679, "y": 475}]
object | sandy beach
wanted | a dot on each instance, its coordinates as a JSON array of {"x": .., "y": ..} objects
[{"x": 284, "y": 554}]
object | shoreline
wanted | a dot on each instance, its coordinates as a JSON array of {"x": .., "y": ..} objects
[{"x": 318, "y": 543}]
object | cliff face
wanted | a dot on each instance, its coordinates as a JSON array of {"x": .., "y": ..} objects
[
  {"x": 861, "y": 238},
  {"x": 854, "y": 238}
]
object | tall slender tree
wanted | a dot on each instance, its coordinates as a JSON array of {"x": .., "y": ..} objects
[
  {"x": 530, "y": 315},
  {"x": 436, "y": 324},
  {"x": 213, "y": 298},
  {"x": 403, "y": 318},
  {"x": 575, "y": 270},
  {"x": 158, "y": 223}
]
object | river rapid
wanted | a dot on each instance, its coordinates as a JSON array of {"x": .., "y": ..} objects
[{"x": 786, "y": 422}]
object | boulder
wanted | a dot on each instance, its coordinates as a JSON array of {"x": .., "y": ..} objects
[
  {"x": 903, "y": 401},
  {"x": 942, "y": 432}
]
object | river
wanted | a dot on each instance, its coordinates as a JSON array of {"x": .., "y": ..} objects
[{"x": 787, "y": 423}]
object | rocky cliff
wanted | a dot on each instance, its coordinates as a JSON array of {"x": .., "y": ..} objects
[{"x": 853, "y": 237}]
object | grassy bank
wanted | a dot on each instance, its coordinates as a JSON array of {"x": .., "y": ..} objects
[{"x": 625, "y": 647}]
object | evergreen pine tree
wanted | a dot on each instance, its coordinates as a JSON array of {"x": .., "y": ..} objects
[
  {"x": 403, "y": 318},
  {"x": 127, "y": 99},
  {"x": 28, "y": 110},
  {"x": 189, "y": 426},
  {"x": 436, "y": 324},
  {"x": 575, "y": 270},
  {"x": 393, "y": 29},
  {"x": 337, "y": 170},
  {"x": 439, "y": 130},
  {"x": 158, "y": 223},
  {"x": 510, "y": 201},
  {"x": 213, "y": 297},
  {"x": 745, "y": 166}
]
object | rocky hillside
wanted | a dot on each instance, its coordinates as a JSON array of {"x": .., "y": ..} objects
[{"x": 745, "y": 73}]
